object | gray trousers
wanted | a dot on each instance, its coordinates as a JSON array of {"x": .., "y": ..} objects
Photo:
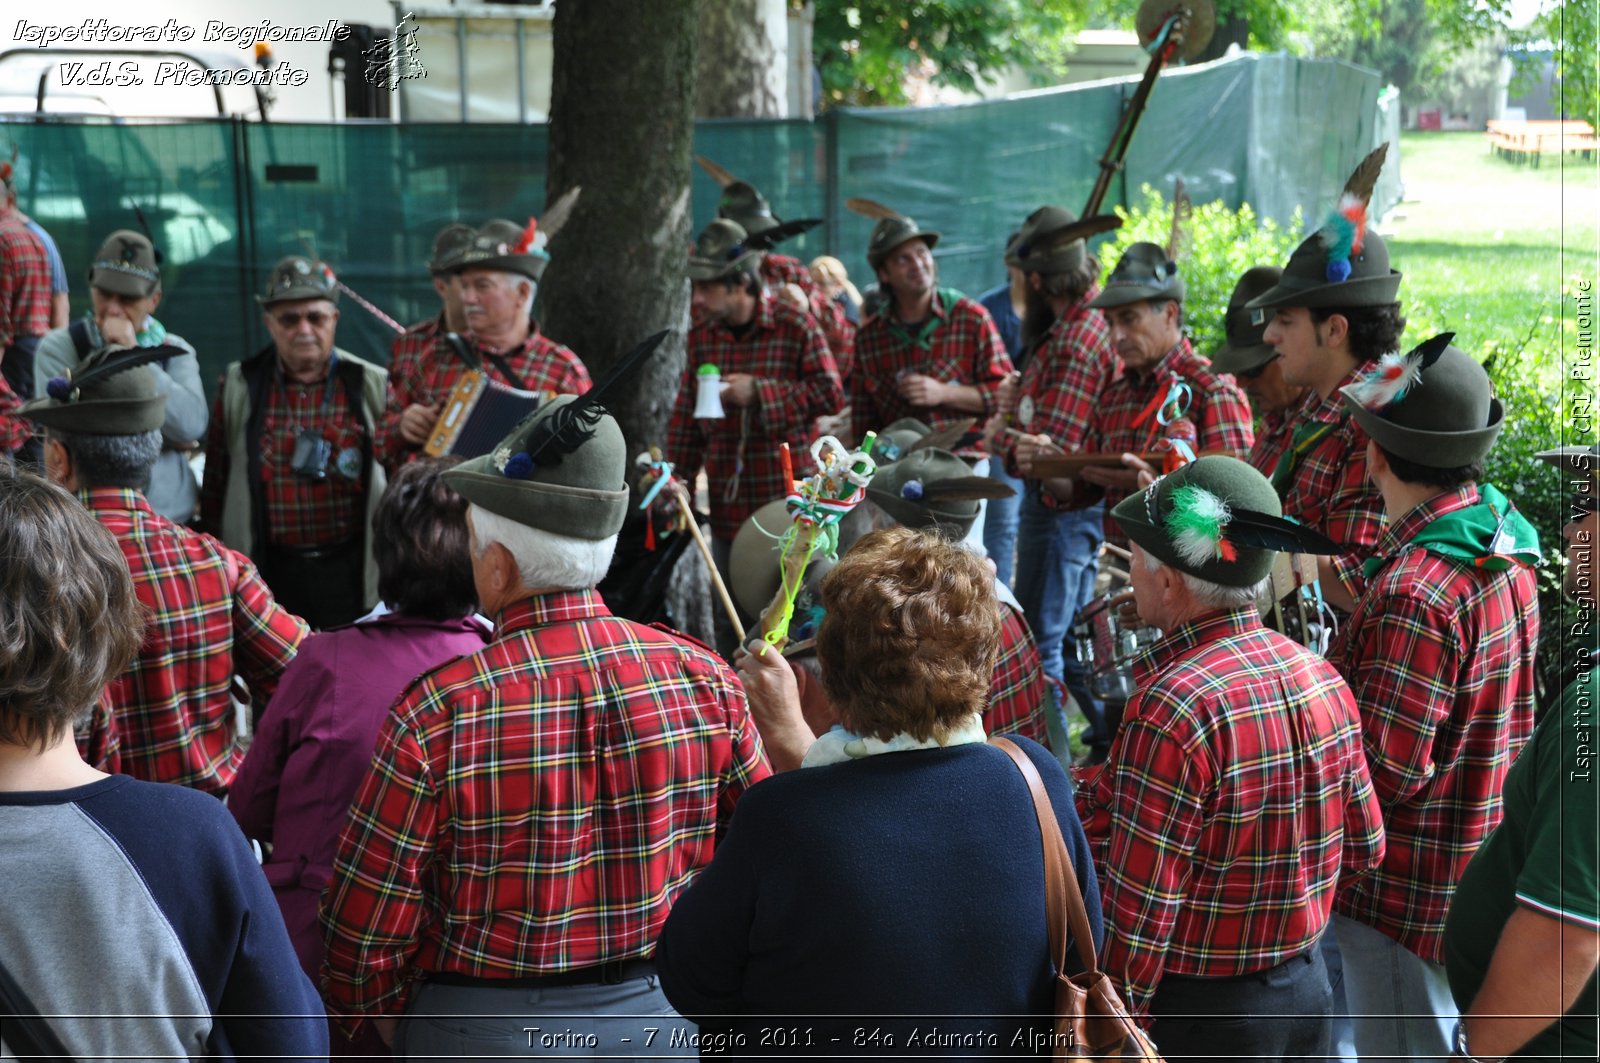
[{"x": 619, "y": 1021}]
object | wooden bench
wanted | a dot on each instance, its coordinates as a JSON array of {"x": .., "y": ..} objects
[{"x": 1530, "y": 140}]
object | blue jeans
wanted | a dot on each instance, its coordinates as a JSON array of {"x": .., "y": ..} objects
[
  {"x": 1057, "y": 562},
  {"x": 1000, "y": 526},
  {"x": 1400, "y": 1004}
]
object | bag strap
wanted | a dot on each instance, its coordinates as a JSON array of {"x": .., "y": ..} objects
[
  {"x": 474, "y": 362},
  {"x": 1060, "y": 880},
  {"x": 27, "y": 1034}
]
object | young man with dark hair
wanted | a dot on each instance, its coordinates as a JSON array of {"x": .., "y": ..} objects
[{"x": 1439, "y": 651}]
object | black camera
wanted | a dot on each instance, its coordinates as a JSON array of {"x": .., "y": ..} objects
[{"x": 311, "y": 454}]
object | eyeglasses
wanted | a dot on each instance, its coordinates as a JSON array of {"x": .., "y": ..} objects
[{"x": 292, "y": 318}]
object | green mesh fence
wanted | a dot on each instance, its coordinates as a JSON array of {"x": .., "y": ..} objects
[{"x": 227, "y": 199}]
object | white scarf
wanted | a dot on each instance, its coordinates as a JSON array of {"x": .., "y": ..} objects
[{"x": 840, "y": 745}]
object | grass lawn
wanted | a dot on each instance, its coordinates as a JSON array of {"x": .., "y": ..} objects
[{"x": 1486, "y": 245}]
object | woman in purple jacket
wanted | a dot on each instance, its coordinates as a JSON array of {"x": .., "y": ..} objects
[{"x": 316, "y": 737}]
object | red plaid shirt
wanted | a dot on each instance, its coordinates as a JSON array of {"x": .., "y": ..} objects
[
  {"x": 300, "y": 511},
  {"x": 1020, "y": 689},
  {"x": 424, "y": 368},
  {"x": 1330, "y": 490},
  {"x": 211, "y": 617},
  {"x": 964, "y": 347},
  {"x": 537, "y": 806},
  {"x": 1234, "y": 796},
  {"x": 796, "y": 382},
  {"x": 1064, "y": 378},
  {"x": 778, "y": 270},
  {"x": 96, "y": 735},
  {"x": 1218, "y": 409},
  {"x": 1440, "y": 655},
  {"x": 24, "y": 282},
  {"x": 1272, "y": 440}
]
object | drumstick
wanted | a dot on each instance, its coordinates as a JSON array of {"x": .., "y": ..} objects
[
  {"x": 687, "y": 507},
  {"x": 1116, "y": 551}
]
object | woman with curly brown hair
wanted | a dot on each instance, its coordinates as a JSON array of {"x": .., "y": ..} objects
[
  {"x": 135, "y": 917},
  {"x": 889, "y": 896}
]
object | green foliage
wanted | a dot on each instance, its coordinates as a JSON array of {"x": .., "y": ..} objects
[
  {"x": 1220, "y": 244},
  {"x": 1572, "y": 28},
  {"x": 867, "y": 49},
  {"x": 1546, "y": 407}
]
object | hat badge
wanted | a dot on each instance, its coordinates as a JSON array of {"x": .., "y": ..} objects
[{"x": 301, "y": 267}]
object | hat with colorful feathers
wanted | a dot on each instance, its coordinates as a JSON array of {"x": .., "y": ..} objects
[
  {"x": 297, "y": 277},
  {"x": 505, "y": 245},
  {"x": 1216, "y": 518},
  {"x": 1433, "y": 406},
  {"x": 112, "y": 392},
  {"x": 892, "y": 230},
  {"x": 722, "y": 250},
  {"x": 1343, "y": 263}
]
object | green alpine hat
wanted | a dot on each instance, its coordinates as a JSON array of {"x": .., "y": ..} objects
[
  {"x": 1581, "y": 460},
  {"x": 721, "y": 251},
  {"x": 1364, "y": 279},
  {"x": 1245, "y": 347},
  {"x": 298, "y": 277},
  {"x": 890, "y": 233},
  {"x": 553, "y": 473},
  {"x": 898, "y": 438},
  {"x": 1052, "y": 240},
  {"x": 1434, "y": 407},
  {"x": 504, "y": 245},
  {"x": 755, "y": 567},
  {"x": 933, "y": 490},
  {"x": 113, "y": 392},
  {"x": 448, "y": 244},
  {"x": 126, "y": 264},
  {"x": 744, "y": 206},
  {"x": 1144, "y": 272},
  {"x": 1188, "y": 520}
]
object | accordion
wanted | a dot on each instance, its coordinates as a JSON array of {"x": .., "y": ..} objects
[{"x": 480, "y": 413}]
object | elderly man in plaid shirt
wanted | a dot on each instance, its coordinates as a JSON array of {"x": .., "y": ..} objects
[
  {"x": 413, "y": 348},
  {"x": 533, "y": 809},
  {"x": 211, "y": 616},
  {"x": 1236, "y": 796},
  {"x": 1440, "y": 654},
  {"x": 496, "y": 272},
  {"x": 778, "y": 376}
]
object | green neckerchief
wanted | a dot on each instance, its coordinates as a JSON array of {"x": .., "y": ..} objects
[
  {"x": 1491, "y": 534},
  {"x": 923, "y": 340},
  {"x": 1302, "y": 441}
]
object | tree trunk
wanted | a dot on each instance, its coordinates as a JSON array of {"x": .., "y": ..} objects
[
  {"x": 733, "y": 58},
  {"x": 621, "y": 126}
]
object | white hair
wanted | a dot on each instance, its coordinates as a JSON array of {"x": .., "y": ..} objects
[
  {"x": 544, "y": 559},
  {"x": 1212, "y": 595}
]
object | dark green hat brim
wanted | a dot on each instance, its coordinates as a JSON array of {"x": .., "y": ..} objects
[
  {"x": 710, "y": 269},
  {"x": 1585, "y": 461},
  {"x": 875, "y": 259},
  {"x": 297, "y": 295},
  {"x": 951, "y": 518},
  {"x": 1433, "y": 450},
  {"x": 577, "y": 512},
  {"x": 1231, "y": 359},
  {"x": 1368, "y": 291},
  {"x": 108, "y": 278},
  {"x": 530, "y": 266},
  {"x": 1114, "y": 295},
  {"x": 99, "y": 417}
]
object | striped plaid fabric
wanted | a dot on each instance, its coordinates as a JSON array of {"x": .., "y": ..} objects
[
  {"x": 1063, "y": 379},
  {"x": 796, "y": 382},
  {"x": 1219, "y": 410},
  {"x": 537, "y": 806},
  {"x": 964, "y": 348},
  {"x": 300, "y": 511},
  {"x": 24, "y": 282},
  {"x": 778, "y": 270},
  {"x": 1234, "y": 796},
  {"x": 1330, "y": 490},
  {"x": 1273, "y": 435},
  {"x": 1441, "y": 658},
  {"x": 97, "y": 739},
  {"x": 424, "y": 368},
  {"x": 1020, "y": 689},
  {"x": 14, "y": 430},
  {"x": 211, "y": 617}
]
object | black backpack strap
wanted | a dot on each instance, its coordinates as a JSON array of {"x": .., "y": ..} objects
[
  {"x": 470, "y": 357},
  {"x": 79, "y": 331},
  {"x": 26, "y": 1032}
]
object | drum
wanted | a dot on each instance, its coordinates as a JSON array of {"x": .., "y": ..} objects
[{"x": 1107, "y": 645}]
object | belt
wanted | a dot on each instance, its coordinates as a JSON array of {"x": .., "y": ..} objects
[
  {"x": 613, "y": 972},
  {"x": 313, "y": 553}
]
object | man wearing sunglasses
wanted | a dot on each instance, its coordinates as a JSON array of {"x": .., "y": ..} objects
[{"x": 291, "y": 477}]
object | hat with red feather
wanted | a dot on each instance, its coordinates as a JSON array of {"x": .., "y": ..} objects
[
  {"x": 1433, "y": 406},
  {"x": 504, "y": 245}
]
